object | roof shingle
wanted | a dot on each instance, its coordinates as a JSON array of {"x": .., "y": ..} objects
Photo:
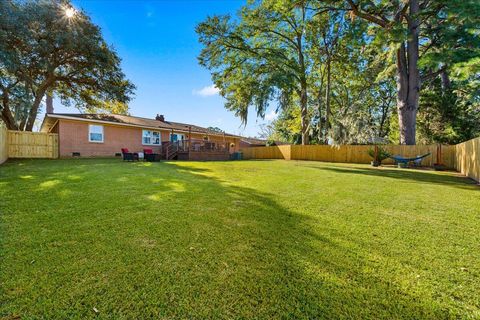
[{"x": 137, "y": 121}]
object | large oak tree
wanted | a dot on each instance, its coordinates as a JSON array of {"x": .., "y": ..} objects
[
  {"x": 49, "y": 48},
  {"x": 427, "y": 38}
]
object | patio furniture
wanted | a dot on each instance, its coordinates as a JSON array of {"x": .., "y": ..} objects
[
  {"x": 417, "y": 161},
  {"x": 209, "y": 146},
  {"x": 150, "y": 156},
  {"x": 129, "y": 156}
]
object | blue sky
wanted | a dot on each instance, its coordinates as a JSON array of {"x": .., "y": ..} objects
[{"x": 158, "y": 46}]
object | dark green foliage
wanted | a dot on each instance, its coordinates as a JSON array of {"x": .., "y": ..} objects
[
  {"x": 445, "y": 116},
  {"x": 42, "y": 51},
  {"x": 351, "y": 51},
  {"x": 215, "y": 129},
  {"x": 381, "y": 155}
]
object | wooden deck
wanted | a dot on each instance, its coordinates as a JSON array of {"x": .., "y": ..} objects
[{"x": 196, "y": 150}]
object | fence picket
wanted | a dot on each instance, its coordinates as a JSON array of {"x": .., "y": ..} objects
[{"x": 22, "y": 144}]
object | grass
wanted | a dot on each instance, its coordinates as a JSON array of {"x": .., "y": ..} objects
[{"x": 249, "y": 239}]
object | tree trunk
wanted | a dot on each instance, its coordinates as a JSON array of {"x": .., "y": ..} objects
[
  {"x": 408, "y": 80},
  {"x": 319, "y": 110},
  {"x": 303, "y": 92},
  {"x": 32, "y": 115},
  {"x": 304, "y": 112},
  {"x": 381, "y": 130},
  {"x": 327, "y": 100},
  {"x": 6, "y": 114},
  {"x": 446, "y": 84}
]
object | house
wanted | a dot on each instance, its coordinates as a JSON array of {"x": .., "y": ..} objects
[
  {"x": 104, "y": 135},
  {"x": 255, "y": 142},
  {"x": 252, "y": 142}
]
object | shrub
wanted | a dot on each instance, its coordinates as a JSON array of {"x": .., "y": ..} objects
[{"x": 381, "y": 155}]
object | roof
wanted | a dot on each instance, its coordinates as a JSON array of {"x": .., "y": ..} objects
[
  {"x": 254, "y": 141},
  {"x": 128, "y": 121},
  {"x": 261, "y": 142}
]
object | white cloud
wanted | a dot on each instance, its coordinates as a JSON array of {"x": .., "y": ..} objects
[
  {"x": 272, "y": 115},
  {"x": 207, "y": 91}
]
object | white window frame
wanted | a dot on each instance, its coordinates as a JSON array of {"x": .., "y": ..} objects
[
  {"x": 151, "y": 137},
  {"x": 179, "y": 135},
  {"x": 90, "y": 127}
]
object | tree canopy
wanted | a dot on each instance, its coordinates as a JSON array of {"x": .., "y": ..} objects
[
  {"x": 45, "y": 51},
  {"x": 357, "y": 71}
]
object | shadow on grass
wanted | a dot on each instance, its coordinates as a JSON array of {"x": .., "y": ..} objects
[
  {"x": 175, "y": 241},
  {"x": 413, "y": 175}
]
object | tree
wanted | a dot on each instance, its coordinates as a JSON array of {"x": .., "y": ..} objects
[
  {"x": 445, "y": 114},
  {"x": 287, "y": 126},
  {"x": 215, "y": 129},
  {"x": 260, "y": 58},
  {"x": 325, "y": 38},
  {"x": 417, "y": 30},
  {"x": 48, "y": 48}
]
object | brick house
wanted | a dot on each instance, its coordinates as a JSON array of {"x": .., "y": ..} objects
[{"x": 104, "y": 135}]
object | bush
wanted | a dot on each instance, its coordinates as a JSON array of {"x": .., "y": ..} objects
[{"x": 382, "y": 154}]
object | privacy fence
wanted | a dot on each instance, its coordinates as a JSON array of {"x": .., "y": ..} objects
[
  {"x": 20, "y": 144},
  {"x": 464, "y": 157},
  {"x": 467, "y": 158}
]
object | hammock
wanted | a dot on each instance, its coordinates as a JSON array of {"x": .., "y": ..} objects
[{"x": 417, "y": 159}]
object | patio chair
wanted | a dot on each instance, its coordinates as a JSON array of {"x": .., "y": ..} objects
[
  {"x": 129, "y": 156},
  {"x": 149, "y": 156}
]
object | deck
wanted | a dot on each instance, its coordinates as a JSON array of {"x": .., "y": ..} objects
[{"x": 196, "y": 150}]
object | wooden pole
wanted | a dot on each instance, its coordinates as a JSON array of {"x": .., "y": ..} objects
[{"x": 189, "y": 140}]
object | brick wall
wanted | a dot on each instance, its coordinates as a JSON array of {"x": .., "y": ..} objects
[{"x": 73, "y": 137}]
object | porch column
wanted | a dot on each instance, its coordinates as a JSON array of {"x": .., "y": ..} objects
[{"x": 189, "y": 140}]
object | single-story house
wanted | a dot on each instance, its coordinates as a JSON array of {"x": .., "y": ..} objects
[
  {"x": 256, "y": 142},
  {"x": 104, "y": 135},
  {"x": 252, "y": 142}
]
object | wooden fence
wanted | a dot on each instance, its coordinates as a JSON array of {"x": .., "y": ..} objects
[
  {"x": 348, "y": 153},
  {"x": 467, "y": 158},
  {"x": 3, "y": 144},
  {"x": 23, "y": 144}
]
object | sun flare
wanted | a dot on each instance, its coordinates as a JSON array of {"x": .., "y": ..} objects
[{"x": 69, "y": 12}]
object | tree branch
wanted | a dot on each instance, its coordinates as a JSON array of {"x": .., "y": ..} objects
[{"x": 367, "y": 16}]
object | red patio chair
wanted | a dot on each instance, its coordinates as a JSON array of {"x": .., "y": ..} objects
[
  {"x": 149, "y": 156},
  {"x": 129, "y": 156}
]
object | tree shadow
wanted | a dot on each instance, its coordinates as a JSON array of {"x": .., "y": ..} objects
[
  {"x": 414, "y": 175},
  {"x": 175, "y": 241}
]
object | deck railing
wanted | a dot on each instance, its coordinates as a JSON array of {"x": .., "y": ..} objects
[{"x": 194, "y": 145}]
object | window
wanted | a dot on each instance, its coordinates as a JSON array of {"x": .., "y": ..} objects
[
  {"x": 95, "y": 133},
  {"x": 176, "y": 137},
  {"x": 150, "y": 137}
]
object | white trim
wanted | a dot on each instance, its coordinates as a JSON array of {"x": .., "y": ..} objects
[
  {"x": 177, "y": 134},
  {"x": 54, "y": 124},
  {"x": 153, "y": 144},
  {"x": 89, "y": 134},
  {"x": 132, "y": 125}
]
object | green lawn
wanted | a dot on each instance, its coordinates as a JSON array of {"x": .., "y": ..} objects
[{"x": 249, "y": 239}]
